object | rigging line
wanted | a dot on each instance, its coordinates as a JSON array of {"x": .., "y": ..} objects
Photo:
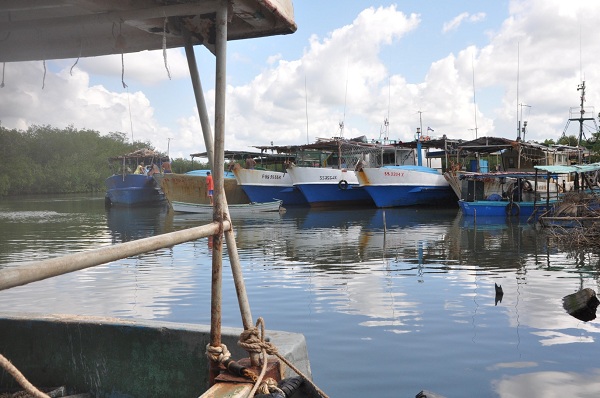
[
  {"x": 580, "y": 56},
  {"x": 474, "y": 99},
  {"x": 387, "y": 123},
  {"x": 130, "y": 119},
  {"x": 518, "y": 127},
  {"x": 44, "y": 78}
]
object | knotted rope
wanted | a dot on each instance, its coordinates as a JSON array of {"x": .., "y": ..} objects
[
  {"x": 218, "y": 354},
  {"x": 18, "y": 376},
  {"x": 253, "y": 340}
]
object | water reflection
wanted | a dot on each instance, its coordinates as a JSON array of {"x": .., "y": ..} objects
[
  {"x": 410, "y": 287},
  {"x": 550, "y": 384},
  {"x": 129, "y": 223}
]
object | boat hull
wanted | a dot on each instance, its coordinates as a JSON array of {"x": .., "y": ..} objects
[
  {"x": 491, "y": 208},
  {"x": 192, "y": 189},
  {"x": 111, "y": 357},
  {"x": 266, "y": 185},
  {"x": 399, "y": 186},
  {"x": 329, "y": 187},
  {"x": 235, "y": 209},
  {"x": 133, "y": 190}
]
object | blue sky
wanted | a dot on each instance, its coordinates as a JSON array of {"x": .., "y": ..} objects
[{"x": 353, "y": 61}]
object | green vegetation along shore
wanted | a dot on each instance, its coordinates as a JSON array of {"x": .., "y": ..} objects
[{"x": 50, "y": 160}]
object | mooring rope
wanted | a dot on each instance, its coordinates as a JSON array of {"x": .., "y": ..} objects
[
  {"x": 253, "y": 340},
  {"x": 14, "y": 372},
  {"x": 218, "y": 354}
]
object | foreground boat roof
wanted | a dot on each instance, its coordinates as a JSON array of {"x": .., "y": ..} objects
[{"x": 55, "y": 29}]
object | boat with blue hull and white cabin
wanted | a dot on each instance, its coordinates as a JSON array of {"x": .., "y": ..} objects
[
  {"x": 324, "y": 171},
  {"x": 404, "y": 181},
  {"x": 267, "y": 185},
  {"x": 132, "y": 183},
  {"x": 265, "y": 178},
  {"x": 406, "y": 185},
  {"x": 323, "y": 186}
]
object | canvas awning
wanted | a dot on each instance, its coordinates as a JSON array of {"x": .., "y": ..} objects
[{"x": 579, "y": 168}]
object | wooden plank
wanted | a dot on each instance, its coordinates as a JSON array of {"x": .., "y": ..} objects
[{"x": 228, "y": 390}]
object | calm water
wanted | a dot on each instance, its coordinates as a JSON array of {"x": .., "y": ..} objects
[{"x": 384, "y": 315}]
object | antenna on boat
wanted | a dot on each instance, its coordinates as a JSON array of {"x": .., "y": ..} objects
[
  {"x": 474, "y": 100},
  {"x": 345, "y": 100},
  {"x": 524, "y": 122},
  {"x": 130, "y": 120},
  {"x": 387, "y": 119}
]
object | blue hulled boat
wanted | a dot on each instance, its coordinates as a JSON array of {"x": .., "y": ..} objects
[{"x": 133, "y": 183}]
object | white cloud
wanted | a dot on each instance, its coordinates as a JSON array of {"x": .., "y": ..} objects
[
  {"x": 459, "y": 19},
  {"x": 343, "y": 76}
]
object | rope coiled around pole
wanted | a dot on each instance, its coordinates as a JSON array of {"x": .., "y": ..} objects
[{"x": 253, "y": 340}]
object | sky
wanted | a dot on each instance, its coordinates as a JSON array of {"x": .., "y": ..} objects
[{"x": 462, "y": 68}]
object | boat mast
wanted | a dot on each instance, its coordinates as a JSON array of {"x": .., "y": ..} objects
[
  {"x": 419, "y": 135},
  {"x": 581, "y": 119}
]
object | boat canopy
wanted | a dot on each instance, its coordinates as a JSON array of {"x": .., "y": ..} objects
[
  {"x": 499, "y": 174},
  {"x": 578, "y": 168},
  {"x": 140, "y": 154},
  {"x": 263, "y": 158},
  {"x": 56, "y": 29}
]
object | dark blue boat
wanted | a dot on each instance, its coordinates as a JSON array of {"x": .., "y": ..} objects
[{"x": 133, "y": 183}]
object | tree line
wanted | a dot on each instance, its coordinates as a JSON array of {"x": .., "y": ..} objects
[{"x": 51, "y": 160}]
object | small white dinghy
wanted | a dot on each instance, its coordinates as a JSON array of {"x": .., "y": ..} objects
[{"x": 234, "y": 209}]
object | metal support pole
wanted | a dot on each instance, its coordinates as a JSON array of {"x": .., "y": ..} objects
[
  {"x": 218, "y": 175},
  {"x": 221, "y": 209},
  {"x": 199, "y": 94}
]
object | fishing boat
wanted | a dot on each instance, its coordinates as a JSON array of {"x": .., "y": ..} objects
[
  {"x": 264, "y": 185},
  {"x": 580, "y": 206},
  {"x": 520, "y": 195},
  {"x": 190, "y": 187},
  {"x": 132, "y": 183},
  {"x": 141, "y": 361},
  {"x": 265, "y": 175},
  {"x": 234, "y": 209},
  {"x": 407, "y": 185},
  {"x": 528, "y": 194},
  {"x": 406, "y": 182},
  {"x": 324, "y": 171},
  {"x": 111, "y": 357},
  {"x": 329, "y": 187}
]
